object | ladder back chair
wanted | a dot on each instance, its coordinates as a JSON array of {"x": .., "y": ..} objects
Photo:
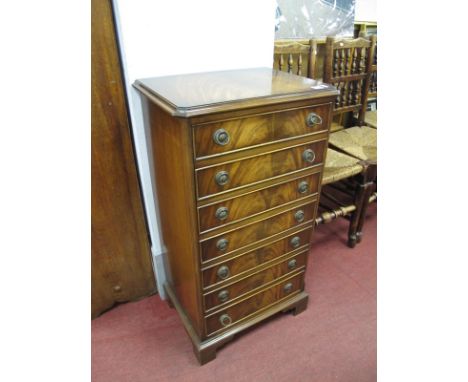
[
  {"x": 339, "y": 166},
  {"x": 348, "y": 64}
]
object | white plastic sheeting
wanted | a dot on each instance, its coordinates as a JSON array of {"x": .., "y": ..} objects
[{"x": 314, "y": 18}]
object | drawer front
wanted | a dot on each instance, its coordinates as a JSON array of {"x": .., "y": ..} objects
[
  {"x": 222, "y": 137},
  {"x": 220, "y": 178},
  {"x": 246, "y": 262},
  {"x": 257, "y": 280},
  {"x": 231, "y": 210},
  {"x": 225, "y": 243},
  {"x": 227, "y": 317}
]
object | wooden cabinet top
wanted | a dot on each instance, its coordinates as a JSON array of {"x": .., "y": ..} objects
[{"x": 205, "y": 93}]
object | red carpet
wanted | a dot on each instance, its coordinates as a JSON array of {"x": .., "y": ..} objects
[{"x": 333, "y": 340}]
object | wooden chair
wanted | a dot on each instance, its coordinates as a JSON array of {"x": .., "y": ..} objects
[
  {"x": 295, "y": 57},
  {"x": 341, "y": 170},
  {"x": 348, "y": 65}
]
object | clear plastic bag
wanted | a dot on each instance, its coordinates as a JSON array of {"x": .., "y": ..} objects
[{"x": 314, "y": 18}]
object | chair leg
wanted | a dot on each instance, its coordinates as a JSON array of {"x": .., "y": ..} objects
[
  {"x": 365, "y": 188},
  {"x": 362, "y": 216},
  {"x": 359, "y": 201}
]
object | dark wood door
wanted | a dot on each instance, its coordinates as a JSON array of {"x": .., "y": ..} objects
[{"x": 121, "y": 257}]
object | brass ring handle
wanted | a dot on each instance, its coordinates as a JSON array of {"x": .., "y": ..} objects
[
  {"x": 222, "y": 244},
  {"x": 299, "y": 216},
  {"x": 225, "y": 320},
  {"x": 313, "y": 119},
  {"x": 308, "y": 155},
  {"x": 303, "y": 187},
  {"x": 288, "y": 288},
  {"x": 222, "y": 213},
  {"x": 295, "y": 241},
  {"x": 223, "y": 272},
  {"x": 221, "y": 137},
  {"x": 222, "y": 178},
  {"x": 223, "y": 296},
  {"x": 292, "y": 264}
]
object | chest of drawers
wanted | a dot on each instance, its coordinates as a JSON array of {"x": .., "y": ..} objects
[{"x": 238, "y": 158}]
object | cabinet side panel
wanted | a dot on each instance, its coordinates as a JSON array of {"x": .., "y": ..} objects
[{"x": 174, "y": 172}]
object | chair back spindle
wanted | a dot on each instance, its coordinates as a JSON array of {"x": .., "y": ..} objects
[
  {"x": 348, "y": 66},
  {"x": 295, "y": 57}
]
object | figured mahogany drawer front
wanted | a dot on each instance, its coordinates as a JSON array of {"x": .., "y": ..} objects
[
  {"x": 225, "y": 243},
  {"x": 225, "y": 136},
  {"x": 250, "y": 283},
  {"x": 243, "y": 172},
  {"x": 231, "y": 315},
  {"x": 242, "y": 264},
  {"x": 230, "y": 210}
]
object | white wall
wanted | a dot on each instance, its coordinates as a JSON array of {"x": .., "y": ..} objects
[{"x": 161, "y": 37}]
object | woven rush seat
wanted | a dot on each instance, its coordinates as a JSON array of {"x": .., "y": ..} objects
[
  {"x": 339, "y": 166},
  {"x": 370, "y": 119},
  {"x": 335, "y": 127},
  {"x": 360, "y": 142}
]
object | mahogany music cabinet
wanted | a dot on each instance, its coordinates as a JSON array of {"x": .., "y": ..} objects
[{"x": 238, "y": 158}]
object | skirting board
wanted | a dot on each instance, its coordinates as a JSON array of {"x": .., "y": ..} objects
[{"x": 159, "y": 270}]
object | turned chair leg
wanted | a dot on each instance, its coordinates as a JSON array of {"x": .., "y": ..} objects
[
  {"x": 359, "y": 201},
  {"x": 363, "y": 193},
  {"x": 362, "y": 216},
  {"x": 371, "y": 177}
]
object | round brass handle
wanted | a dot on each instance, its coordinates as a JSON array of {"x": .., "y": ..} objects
[
  {"x": 223, "y": 296},
  {"x": 299, "y": 216},
  {"x": 288, "y": 288},
  {"x": 308, "y": 155},
  {"x": 221, "y": 137},
  {"x": 222, "y": 213},
  {"x": 313, "y": 119},
  {"x": 303, "y": 187},
  {"x": 225, "y": 320},
  {"x": 222, "y": 178},
  {"x": 295, "y": 241},
  {"x": 222, "y": 244},
  {"x": 292, "y": 264},
  {"x": 223, "y": 272}
]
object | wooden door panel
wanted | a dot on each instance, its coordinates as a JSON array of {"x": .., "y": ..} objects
[{"x": 120, "y": 249}]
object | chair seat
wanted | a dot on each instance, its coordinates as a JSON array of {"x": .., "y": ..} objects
[
  {"x": 335, "y": 127},
  {"x": 371, "y": 119},
  {"x": 360, "y": 142},
  {"x": 339, "y": 166}
]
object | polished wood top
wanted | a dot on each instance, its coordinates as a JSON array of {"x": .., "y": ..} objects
[{"x": 204, "y": 93}]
